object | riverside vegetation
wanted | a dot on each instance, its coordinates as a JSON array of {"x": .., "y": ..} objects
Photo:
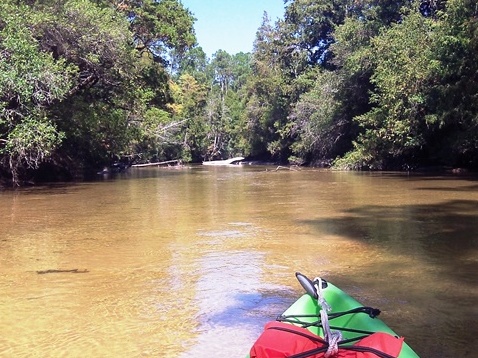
[{"x": 352, "y": 84}]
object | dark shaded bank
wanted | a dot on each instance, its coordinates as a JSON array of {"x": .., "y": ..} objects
[{"x": 74, "y": 171}]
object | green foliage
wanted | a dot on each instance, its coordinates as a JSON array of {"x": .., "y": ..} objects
[
  {"x": 307, "y": 31},
  {"x": 192, "y": 62},
  {"x": 30, "y": 143},
  {"x": 159, "y": 26},
  {"x": 313, "y": 117},
  {"x": 365, "y": 84},
  {"x": 404, "y": 66},
  {"x": 30, "y": 81},
  {"x": 28, "y": 78},
  {"x": 379, "y": 85},
  {"x": 215, "y": 117},
  {"x": 453, "y": 99},
  {"x": 190, "y": 99},
  {"x": 268, "y": 97},
  {"x": 74, "y": 88}
]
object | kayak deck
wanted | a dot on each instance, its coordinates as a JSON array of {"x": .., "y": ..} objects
[{"x": 306, "y": 310}]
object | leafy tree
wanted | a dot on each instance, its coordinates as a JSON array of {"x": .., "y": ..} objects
[
  {"x": 314, "y": 119},
  {"x": 267, "y": 95},
  {"x": 337, "y": 34},
  {"x": 123, "y": 91},
  {"x": 158, "y": 26},
  {"x": 453, "y": 98},
  {"x": 222, "y": 71},
  {"x": 78, "y": 86},
  {"x": 224, "y": 107},
  {"x": 98, "y": 114},
  {"x": 191, "y": 96},
  {"x": 404, "y": 67},
  {"x": 30, "y": 81},
  {"x": 307, "y": 31},
  {"x": 193, "y": 62},
  {"x": 236, "y": 102},
  {"x": 292, "y": 53},
  {"x": 381, "y": 84}
]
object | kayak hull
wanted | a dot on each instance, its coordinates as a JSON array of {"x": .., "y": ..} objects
[{"x": 339, "y": 301}]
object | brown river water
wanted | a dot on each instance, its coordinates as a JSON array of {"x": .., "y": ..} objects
[{"x": 193, "y": 262}]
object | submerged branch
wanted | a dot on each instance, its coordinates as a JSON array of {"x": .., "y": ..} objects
[
  {"x": 42, "y": 272},
  {"x": 293, "y": 168}
]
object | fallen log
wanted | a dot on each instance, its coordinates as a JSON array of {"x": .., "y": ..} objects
[
  {"x": 177, "y": 161},
  {"x": 232, "y": 161}
]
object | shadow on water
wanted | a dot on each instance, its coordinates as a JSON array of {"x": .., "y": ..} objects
[
  {"x": 432, "y": 250},
  {"x": 463, "y": 189},
  {"x": 446, "y": 232}
]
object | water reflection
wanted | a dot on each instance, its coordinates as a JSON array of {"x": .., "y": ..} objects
[
  {"x": 229, "y": 306},
  {"x": 194, "y": 262}
]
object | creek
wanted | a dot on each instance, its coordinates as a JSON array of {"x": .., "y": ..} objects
[{"x": 193, "y": 262}]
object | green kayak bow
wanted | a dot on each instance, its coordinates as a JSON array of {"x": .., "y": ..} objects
[{"x": 327, "y": 322}]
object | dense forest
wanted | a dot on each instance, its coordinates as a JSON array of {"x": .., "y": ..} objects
[{"x": 352, "y": 84}]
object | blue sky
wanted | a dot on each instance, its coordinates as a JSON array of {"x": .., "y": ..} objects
[{"x": 230, "y": 25}]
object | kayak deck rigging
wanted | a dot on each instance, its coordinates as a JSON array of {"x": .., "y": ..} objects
[{"x": 326, "y": 322}]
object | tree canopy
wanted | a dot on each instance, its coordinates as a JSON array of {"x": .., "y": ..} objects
[
  {"x": 80, "y": 79},
  {"x": 353, "y": 84}
]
